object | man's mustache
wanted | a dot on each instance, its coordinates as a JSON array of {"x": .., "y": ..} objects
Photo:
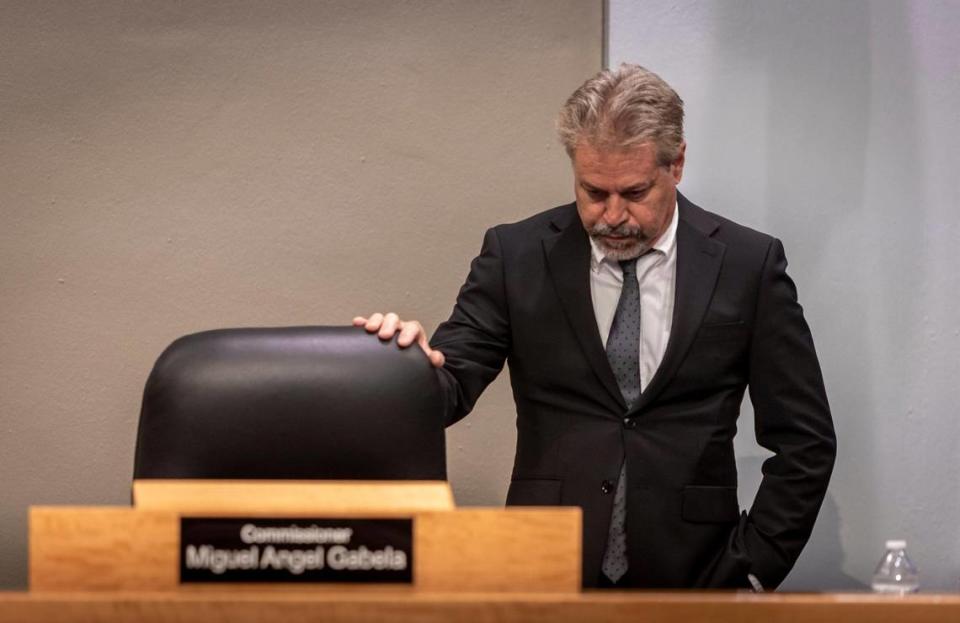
[{"x": 622, "y": 231}]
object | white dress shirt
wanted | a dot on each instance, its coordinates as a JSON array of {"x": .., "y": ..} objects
[{"x": 657, "y": 276}]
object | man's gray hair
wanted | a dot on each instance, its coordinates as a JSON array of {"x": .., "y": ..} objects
[{"x": 622, "y": 108}]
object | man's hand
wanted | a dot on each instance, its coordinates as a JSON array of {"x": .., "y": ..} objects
[{"x": 385, "y": 326}]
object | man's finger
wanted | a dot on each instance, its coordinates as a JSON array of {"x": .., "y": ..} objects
[
  {"x": 374, "y": 322},
  {"x": 435, "y": 356},
  {"x": 389, "y": 326},
  {"x": 409, "y": 332},
  {"x": 359, "y": 321}
]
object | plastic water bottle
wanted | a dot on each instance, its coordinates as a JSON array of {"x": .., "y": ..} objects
[{"x": 896, "y": 574}]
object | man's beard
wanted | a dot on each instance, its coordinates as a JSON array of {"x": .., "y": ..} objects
[{"x": 634, "y": 243}]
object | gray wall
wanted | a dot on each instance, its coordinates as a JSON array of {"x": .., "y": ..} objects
[
  {"x": 834, "y": 126},
  {"x": 172, "y": 167}
]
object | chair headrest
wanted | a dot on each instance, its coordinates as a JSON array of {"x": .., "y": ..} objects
[{"x": 291, "y": 403}]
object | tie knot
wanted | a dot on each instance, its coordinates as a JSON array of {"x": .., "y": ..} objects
[{"x": 629, "y": 267}]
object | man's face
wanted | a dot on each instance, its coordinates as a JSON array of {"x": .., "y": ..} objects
[{"x": 625, "y": 198}]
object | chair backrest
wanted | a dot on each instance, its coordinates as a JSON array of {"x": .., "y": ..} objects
[{"x": 326, "y": 403}]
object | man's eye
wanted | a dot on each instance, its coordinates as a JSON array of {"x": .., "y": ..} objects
[
  {"x": 636, "y": 196},
  {"x": 596, "y": 195}
]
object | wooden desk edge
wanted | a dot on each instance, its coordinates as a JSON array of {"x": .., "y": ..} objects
[
  {"x": 352, "y": 607},
  {"x": 357, "y": 594}
]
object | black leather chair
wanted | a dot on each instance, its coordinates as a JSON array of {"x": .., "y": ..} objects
[{"x": 291, "y": 403}]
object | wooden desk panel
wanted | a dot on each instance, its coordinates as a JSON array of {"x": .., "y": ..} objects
[{"x": 475, "y": 549}]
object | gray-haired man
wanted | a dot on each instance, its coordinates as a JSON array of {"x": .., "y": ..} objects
[{"x": 633, "y": 322}]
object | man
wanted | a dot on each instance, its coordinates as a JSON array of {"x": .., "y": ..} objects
[{"x": 633, "y": 322}]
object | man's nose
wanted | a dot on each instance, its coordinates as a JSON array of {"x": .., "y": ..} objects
[{"x": 615, "y": 211}]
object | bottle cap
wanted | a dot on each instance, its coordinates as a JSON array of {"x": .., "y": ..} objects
[{"x": 896, "y": 544}]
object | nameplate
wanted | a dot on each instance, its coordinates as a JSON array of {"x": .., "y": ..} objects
[{"x": 258, "y": 549}]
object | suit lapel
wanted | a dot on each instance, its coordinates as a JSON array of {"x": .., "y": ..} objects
[
  {"x": 568, "y": 260},
  {"x": 699, "y": 258}
]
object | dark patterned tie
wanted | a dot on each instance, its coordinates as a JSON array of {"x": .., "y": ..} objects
[{"x": 623, "y": 352}]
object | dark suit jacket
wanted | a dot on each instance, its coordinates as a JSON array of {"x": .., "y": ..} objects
[{"x": 736, "y": 324}]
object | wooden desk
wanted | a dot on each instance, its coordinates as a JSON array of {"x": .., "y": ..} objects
[
  {"x": 395, "y": 607},
  {"x": 475, "y": 565}
]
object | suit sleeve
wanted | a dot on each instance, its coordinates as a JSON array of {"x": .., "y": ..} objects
[
  {"x": 476, "y": 339},
  {"x": 792, "y": 420}
]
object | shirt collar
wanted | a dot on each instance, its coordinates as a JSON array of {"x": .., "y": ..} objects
[{"x": 664, "y": 245}]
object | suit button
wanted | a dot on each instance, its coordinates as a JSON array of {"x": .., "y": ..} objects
[
  {"x": 630, "y": 423},
  {"x": 606, "y": 486}
]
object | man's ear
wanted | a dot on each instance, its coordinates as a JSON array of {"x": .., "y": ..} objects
[{"x": 676, "y": 167}]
